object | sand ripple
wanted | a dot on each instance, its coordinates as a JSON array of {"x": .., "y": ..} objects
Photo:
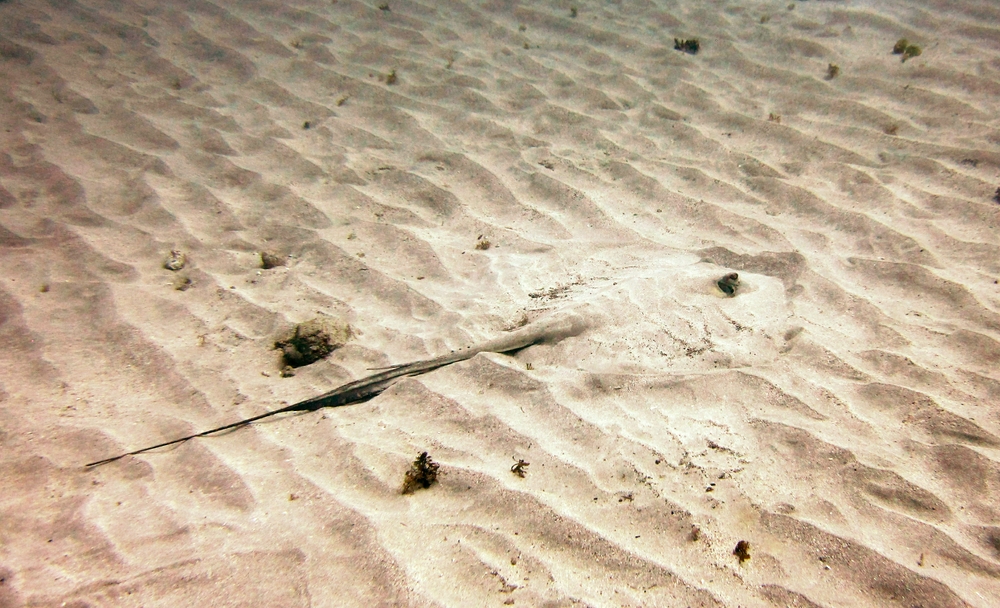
[{"x": 436, "y": 174}]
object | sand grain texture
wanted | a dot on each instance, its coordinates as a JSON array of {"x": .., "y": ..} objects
[{"x": 437, "y": 175}]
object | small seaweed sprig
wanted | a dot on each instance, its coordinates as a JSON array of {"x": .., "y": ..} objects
[
  {"x": 520, "y": 468},
  {"x": 422, "y": 474},
  {"x": 690, "y": 46}
]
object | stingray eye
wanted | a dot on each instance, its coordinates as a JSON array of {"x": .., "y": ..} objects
[{"x": 729, "y": 283}]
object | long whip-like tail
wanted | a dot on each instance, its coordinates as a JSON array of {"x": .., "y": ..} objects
[{"x": 370, "y": 386}]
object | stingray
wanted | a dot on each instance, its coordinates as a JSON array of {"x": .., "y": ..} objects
[{"x": 370, "y": 386}]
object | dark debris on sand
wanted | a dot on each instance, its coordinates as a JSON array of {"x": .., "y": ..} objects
[
  {"x": 690, "y": 46},
  {"x": 312, "y": 341},
  {"x": 742, "y": 551},
  {"x": 422, "y": 474}
]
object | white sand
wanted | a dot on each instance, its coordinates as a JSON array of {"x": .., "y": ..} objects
[{"x": 841, "y": 413}]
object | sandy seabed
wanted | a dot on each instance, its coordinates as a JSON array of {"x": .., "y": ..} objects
[{"x": 437, "y": 174}]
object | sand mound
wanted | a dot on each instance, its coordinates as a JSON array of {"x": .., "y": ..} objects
[{"x": 182, "y": 182}]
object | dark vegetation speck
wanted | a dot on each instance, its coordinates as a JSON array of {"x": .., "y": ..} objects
[
  {"x": 422, "y": 474},
  {"x": 270, "y": 259},
  {"x": 690, "y": 46},
  {"x": 312, "y": 341},
  {"x": 742, "y": 551},
  {"x": 175, "y": 261}
]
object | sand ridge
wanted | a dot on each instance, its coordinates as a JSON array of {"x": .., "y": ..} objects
[{"x": 437, "y": 175}]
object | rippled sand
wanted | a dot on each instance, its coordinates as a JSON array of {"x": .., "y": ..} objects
[{"x": 438, "y": 174}]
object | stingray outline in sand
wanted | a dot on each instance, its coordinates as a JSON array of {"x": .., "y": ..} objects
[{"x": 368, "y": 387}]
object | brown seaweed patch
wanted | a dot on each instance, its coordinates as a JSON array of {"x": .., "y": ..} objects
[
  {"x": 271, "y": 259},
  {"x": 520, "y": 468},
  {"x": 313, "y": 340},
  {"x": 690, "y": 46},
  {"x": 422, "y": 474},
  {"x": 742, "y": 551}
]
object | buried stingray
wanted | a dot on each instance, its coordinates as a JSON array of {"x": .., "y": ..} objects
[{"x": 370, "y": 386}]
